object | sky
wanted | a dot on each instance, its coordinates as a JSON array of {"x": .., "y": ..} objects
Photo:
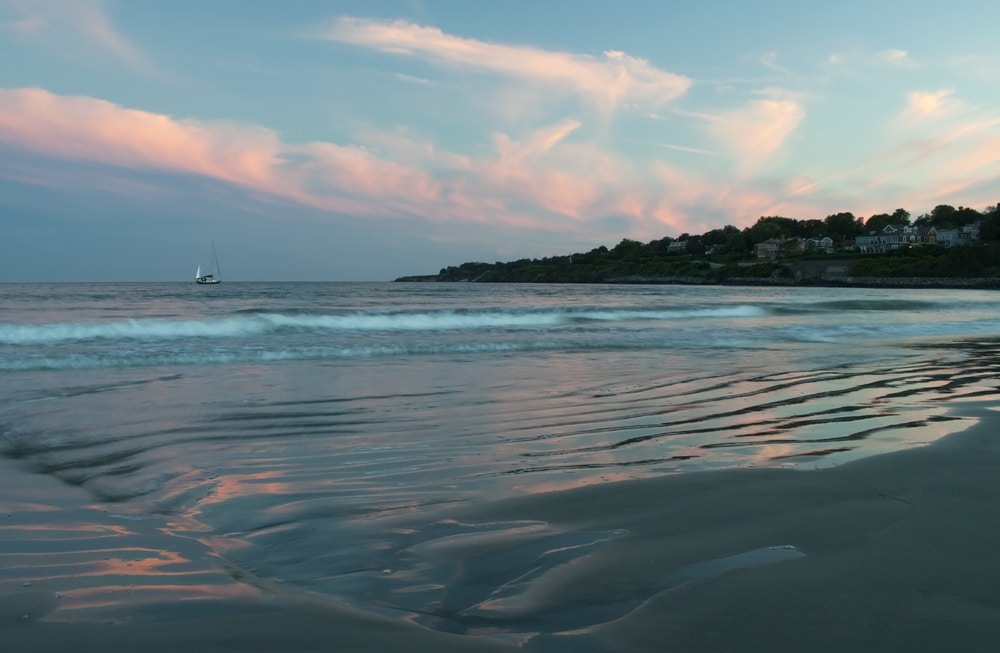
[{"x": 343, "y": 140}]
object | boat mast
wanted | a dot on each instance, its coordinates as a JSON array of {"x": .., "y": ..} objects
[{"x": 216, "y": 270}]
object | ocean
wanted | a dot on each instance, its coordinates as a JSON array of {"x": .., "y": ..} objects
[{"x": 335, "y": 440}]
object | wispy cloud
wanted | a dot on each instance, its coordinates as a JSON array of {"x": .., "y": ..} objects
[
  {"x": 756, "y": 131},
  {"x": 896, "y": 58},
  {"x": 853, "y": 61},
  {"x": 88, "y": 129},
  {"x": 542, "y": 179},
  {"x": 922, "y": 106},
  {"x": 949, "y": 159},
  {"x": 979, "y": 67},
  {"x": 937, "y": 148},
  {"x": 59, "y": 23},
  {"x": 539, "y": 143},
  {"x": 412, "y": 79},
  {"x": 686, "y": 148},
  {"x": 553, "y": 178},
  {"x": 691, "y": 203},
  {"x": 525, "y": 175},
  {"x": 608, "y": 81},
  {"x": 770, "y": 60}
]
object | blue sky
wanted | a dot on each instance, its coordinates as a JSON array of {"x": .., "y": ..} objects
[{"x": 342, "y": 140}]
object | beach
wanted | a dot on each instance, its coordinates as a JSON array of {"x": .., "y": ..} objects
[
  {"x": 830, "y": 494},
  {"x": 893, "y": 552}
]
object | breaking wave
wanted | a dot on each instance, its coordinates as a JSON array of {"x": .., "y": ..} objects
[
  {"x": 255, "y": 324},
  {"x": 254, "y": 335}
]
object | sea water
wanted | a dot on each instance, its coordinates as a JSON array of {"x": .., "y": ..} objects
[{"x": 319, "y": 436}]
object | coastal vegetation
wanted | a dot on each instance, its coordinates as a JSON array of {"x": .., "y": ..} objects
[{"x": 947, "y": 243}]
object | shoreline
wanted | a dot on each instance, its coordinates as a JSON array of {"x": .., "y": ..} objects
[
  {"x": 957, "y": 283},
  {"x": 894, "y": 551},
  {"x": 897, "y": 553}
]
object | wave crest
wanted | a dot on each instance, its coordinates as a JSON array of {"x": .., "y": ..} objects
[{"x": 262, "y": 323}]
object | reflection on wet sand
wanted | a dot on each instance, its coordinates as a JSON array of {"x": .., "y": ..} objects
[
  {"x": 88, "y": 561},
  {"x": 547, "y": 523}
]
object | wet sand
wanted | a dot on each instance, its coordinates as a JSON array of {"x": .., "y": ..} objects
[{"x": 896, "y": 552}]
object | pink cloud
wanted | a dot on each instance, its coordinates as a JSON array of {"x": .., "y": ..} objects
[
  {"x": 539, "y": 143},
  {"x": 92, "y": 130},
  {"x": 610, "y": 80},
  {"x": 549, "y": 179},
  {"x": 942, "y": 146},
  {"x": 528, "y": 173},
  {"x": 959, "y": 161},
  {"x": 755, "y": 132},
  {"x": 572, "y": 179},
  {"x": 691, "y": 203},
  {"x": 943, "y": 152},
  {"x": 922, "y": 106},
  {"x": 89, "y": 129}
]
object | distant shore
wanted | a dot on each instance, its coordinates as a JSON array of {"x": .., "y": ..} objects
[{"x": 959, "y": 283}]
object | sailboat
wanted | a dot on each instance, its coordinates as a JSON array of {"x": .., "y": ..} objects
[{"x": 214, "y": 276}]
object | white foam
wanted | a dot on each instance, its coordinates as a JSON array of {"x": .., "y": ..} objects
[{"x": 262, "y": 323}]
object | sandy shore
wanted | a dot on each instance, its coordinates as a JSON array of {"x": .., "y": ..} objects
[
  {"x": 899, "y": 553},
  {"x": 891, "y": 553}
]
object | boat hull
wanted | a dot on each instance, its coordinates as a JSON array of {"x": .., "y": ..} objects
[{"x": 207, "y": 280}]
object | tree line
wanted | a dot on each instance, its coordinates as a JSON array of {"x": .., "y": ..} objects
[{"x": 725, "y": 253}]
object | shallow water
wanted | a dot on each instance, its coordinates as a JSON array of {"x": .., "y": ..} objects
[{"x": 320, "y": 438}]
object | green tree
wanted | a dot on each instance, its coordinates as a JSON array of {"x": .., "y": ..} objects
[
  {"x": 627, "y": 249},
  {"x": 945, "y": 216},
  {"x": 839, "y": 226},
  {"x": 878, "y": 222},
  {"x": 660, "y": 246},
  {"x": 810, "y": 229},
  {"x": 990, "y": 228},
  {"x": 772, "y": 227},
  {"x": 728, "y": 240},
  {"x": 942, "y": 216},
  {"x": 964, "y": 216},
  {"x": 696, "y": 245},
  {"x": 735, "y": 242}
]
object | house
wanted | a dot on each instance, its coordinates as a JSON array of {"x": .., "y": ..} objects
[
  {"x": 926, "y": 236},
  {"x": 677, "y": 247},
  {"x": 893, "y": 237},
  {"x": 969, "y": 233},
  {"x": 774, "y": 248},
  {"x": 965, "y": 235},
  {"x": 767, "y": 249},
  {"x": 824, "y": 244}
]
